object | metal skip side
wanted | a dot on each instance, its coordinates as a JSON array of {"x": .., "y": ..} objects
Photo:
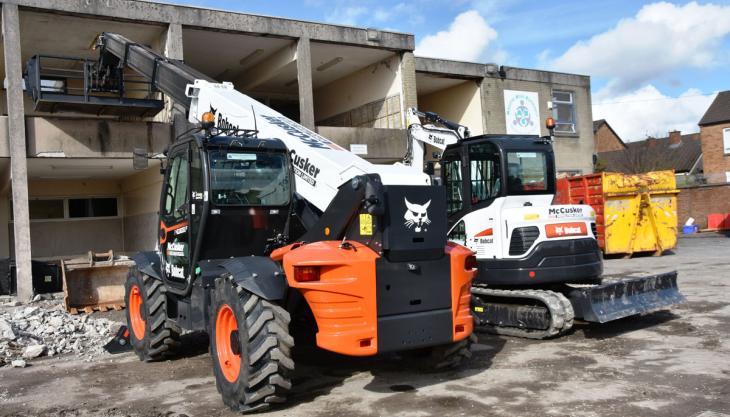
[{"x": 627, "y": 297}]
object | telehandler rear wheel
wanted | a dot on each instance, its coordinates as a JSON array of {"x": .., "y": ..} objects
[
  {"x": 150, "y": 333},
  {"x": 251, "y": 348}
]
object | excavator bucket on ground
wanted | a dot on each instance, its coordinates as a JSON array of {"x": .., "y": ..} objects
[
  {"x": 627, "y": 297},
  {"x": 95, "y": 282}
]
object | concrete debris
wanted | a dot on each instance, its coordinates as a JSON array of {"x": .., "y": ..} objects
[
  {"x": 18, "y": 363},
  {"x": 6, "y": 331},
  {"x": 30, "y": 332},
  {"x": 33, "y": 351}
]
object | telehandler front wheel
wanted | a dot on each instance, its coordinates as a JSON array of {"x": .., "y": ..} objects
[
  {"x": 150, "y": 334},
  {"x": 251, "y": 348}
]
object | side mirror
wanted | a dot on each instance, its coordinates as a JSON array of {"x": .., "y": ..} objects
[{"x": 139, "y": 158}]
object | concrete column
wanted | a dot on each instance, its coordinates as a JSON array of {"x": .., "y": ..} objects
[
  {"x": 491, "y": 91},
  {"x": 304, "y": 78},
  {"x": 16, "y": 135},
  {"x": 172, "y": 47},
  {"x": 409, "y": 93}
]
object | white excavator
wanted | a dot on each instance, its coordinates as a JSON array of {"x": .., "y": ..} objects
[{"x": 539, "y": 263}]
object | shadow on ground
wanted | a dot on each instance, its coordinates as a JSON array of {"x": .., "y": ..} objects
[{"x": 624, "y": 325}]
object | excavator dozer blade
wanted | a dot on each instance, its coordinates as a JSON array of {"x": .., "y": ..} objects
[{"x": 627, "y": 297}]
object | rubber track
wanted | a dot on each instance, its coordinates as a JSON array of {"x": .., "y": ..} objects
[
  {"x": 163, "y": 336},
  {"x": 561, "y": 312},
  {"x": 269, "y": 352}
]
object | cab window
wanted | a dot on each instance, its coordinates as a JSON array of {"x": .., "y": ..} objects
[
  {"x": 177, "y": 187},
  {"x": 453, "y": 182},
  {"x": 484, "y": 172},
  {"x": 458, "y": 233},
  {"x": 527, "y": 172},
  {"x": 249, "y": 178}
]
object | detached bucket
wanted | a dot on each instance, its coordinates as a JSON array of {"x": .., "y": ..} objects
[
  {"x": 95, "y": 282},
  {"x": 615, "y": 300}
]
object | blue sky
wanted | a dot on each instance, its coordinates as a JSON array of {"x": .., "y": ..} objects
[{"x": 654, "y": 66}]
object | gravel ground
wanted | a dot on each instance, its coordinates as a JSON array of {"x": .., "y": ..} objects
[{"x": 674, "y": 363}]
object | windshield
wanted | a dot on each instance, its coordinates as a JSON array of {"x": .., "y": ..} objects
[
  {"x": 526, "y": 172},
  {"x": 248, "y": 178}
]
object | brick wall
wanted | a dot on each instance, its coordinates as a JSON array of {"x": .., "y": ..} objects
[
  {"x": 715, "y": 162},
  {"x": 606, "y": 140},
  {"x": 698, "y": 202}
]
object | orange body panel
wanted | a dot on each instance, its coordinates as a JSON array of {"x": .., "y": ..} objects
[
  {"x": 461, "y": 290},
  {"x": 344, "y": 301}
]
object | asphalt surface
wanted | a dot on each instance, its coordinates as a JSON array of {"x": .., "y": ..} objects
[{"x": 670, "y": 363}]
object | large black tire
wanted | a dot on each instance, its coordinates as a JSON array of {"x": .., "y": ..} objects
[
  {"x": 261, "y": 343},
  {"x": 159, "y": 337},
  {"x": 450, "y": 356}
]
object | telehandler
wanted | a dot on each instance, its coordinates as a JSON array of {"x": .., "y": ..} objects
[{"x": 259, "y": 217}]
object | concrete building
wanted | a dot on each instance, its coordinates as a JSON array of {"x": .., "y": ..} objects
[{"x": 68, "y": 182}]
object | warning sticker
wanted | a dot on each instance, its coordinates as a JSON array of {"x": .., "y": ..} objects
[{"x": 366, "y": 224}]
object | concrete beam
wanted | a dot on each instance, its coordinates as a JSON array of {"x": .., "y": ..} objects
[
  {"x": 304, "y": 78},
  {"x": 455, "y": 69},
  {"x": 547, "y": 77},
  {"x": 144, "y": 11},
  {"x": 18, "y": 163},
  {"x": 266, "y": 69},
  {"x": 94, "y": 138}
]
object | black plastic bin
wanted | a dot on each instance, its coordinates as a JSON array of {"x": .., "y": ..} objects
[
  {"x": 46, "y": 277},
  {"x": 7, "y": 280}
]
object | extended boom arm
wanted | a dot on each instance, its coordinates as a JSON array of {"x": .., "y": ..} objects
[{"x": 321, "y": 165}]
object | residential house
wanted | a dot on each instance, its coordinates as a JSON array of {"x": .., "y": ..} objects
[
  {"x": 678, "y": 152},
  {"x": 715, "y": 135}
]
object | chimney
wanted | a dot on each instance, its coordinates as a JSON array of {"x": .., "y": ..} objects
[
  {"x": 650, "y": 141},
  {"x": 675, "y": 137}
]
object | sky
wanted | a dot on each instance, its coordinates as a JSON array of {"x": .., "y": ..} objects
[{"x": 654, "y": 66}]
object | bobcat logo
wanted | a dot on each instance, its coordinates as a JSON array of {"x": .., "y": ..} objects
[{"x": 416, "y": 215}]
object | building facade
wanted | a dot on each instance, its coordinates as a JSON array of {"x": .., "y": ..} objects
[
  {"x": 69, "y": 184},
  {"x": 715, "y": 134}
]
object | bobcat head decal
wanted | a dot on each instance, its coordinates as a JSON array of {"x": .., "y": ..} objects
[{"x": 416, "y": 216}]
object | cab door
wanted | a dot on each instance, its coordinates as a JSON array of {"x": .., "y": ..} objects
[{"x": 174, "y": 227}]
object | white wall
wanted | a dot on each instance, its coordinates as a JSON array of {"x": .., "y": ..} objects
[{"x": 460, "y": 103}]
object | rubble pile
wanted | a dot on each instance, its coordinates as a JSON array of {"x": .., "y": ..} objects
[{"x": 30, "y": 332}]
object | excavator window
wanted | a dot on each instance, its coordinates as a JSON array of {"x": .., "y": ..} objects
[
  {"x": 249, "y": 178},
  {"x": 526, "y": 172},
  {"x": 484, "y": 172},
  {"x": 454, "y": 184}
]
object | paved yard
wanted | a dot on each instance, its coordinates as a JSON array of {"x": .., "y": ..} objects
[{"x": 665, "y": 364}]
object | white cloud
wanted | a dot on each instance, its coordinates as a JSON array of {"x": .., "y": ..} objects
[
  {"x": 661, "y": 37},
  {"x": 647, "y": 112},
  {"x": 466, "y": 39},
  {"x": 346, "y": 15}
]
